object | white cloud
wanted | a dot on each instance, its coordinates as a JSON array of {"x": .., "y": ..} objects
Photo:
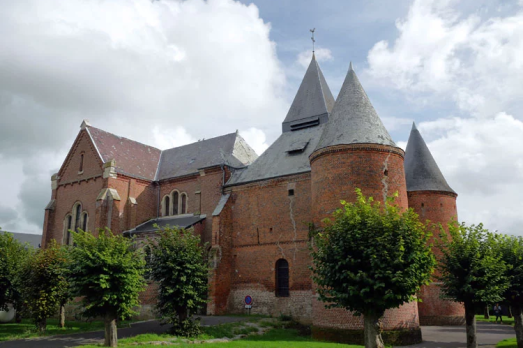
[
  {"x": 256, "y": 139},
  {"x": 160, "y": 72},
  {"x": 482, "y": 160},
  {"x": 167, "y": 138},
  {"x": 322, "y": 55},
  {"x": 474, "y": 61}
]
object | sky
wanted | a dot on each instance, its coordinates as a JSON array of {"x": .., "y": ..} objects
[{"x": 167, "y": 73}]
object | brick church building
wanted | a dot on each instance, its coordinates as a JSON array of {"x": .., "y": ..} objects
[{"x": 255, "y": 212}]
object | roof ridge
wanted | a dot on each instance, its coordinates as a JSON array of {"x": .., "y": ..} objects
[
  {"x": 121, "y": 137},
  {"x": 198, "y": 141},
  {"x": 319, "y": 78}
]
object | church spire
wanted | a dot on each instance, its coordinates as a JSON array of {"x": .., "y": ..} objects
[
  {"x": 353, "y": 119},
  {"x": 421, "y": 171},
  {"x": 313, "y": 102}
]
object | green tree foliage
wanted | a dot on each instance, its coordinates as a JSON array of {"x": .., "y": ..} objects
[
  {"x": 13, "y": 255},
  {"x": 180, "y": 267},
  {"x": 472, "y": 270},
  {"x": 370, "y": 258},
  {"x": 108, "y": 274},
  {"x": 44, "y": 282},
  {"x": 512, "y": 253}
]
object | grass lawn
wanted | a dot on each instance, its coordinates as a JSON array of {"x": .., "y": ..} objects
[
  {"x": 510, "y": 343},
  {"x": 506, "y": 320},
  {"x": 27, "y": 329},
  {"x": 274, "y": 338}
]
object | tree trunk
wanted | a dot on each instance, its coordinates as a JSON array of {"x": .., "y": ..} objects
[
  {"x": 518, "y": 325},
  {"x": 62, "y": 317},
  {"x": 111, "y": 338},
  {"x": 183, "y": 313},
  {"x": 470, "y": 319},
  {"x": 41, "y": 325},
  {"x": 373, "y": 331},
  {"x": 487, "y": 315},
  {"x": 509, "y": 312}
]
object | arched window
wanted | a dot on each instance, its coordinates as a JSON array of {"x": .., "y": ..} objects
[
  {"x": 167, "y": 206},
  {"x": 84, "y": 221},
  {"x": 68, "y": 226},
  {"x": 175, "y": 203},
  {"x": 282, "y": 278},
  {"x": 148, "y": 262},
  {"x": 184, "y": 203},
  {"x": 78, "y": 217}
]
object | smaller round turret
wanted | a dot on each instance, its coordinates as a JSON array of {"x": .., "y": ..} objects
[{"x": 432, "y": 198}]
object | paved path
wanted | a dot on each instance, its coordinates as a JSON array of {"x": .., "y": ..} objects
[
  {"x": 433, "y": 336},
  {"x": 63, "y": 341},
  {"x": 454, "y": 336}
]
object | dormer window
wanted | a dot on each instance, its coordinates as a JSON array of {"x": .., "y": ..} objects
[{"x": 297, "y": 147}]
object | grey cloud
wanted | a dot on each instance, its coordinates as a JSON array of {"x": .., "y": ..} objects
[
  {"x": 200, "y": 67},
  {"x": 7, "y": 215}
]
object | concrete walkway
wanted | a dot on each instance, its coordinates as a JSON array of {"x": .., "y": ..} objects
[
  {"x": 95, "y": 337},
  {"x": 454, "y": 336}
]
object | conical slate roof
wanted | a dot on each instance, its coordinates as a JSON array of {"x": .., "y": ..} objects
[
  {"x": 353, "y": 119},
  {"x": 314, "y": 98},
  {"x": 421, "y": 171}
]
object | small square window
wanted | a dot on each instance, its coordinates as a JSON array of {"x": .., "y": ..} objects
[{"x": 291, "y": 192}]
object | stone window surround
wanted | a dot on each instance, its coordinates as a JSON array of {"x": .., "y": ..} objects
[
  {"x": 84, "y": 216},
  {"x": 179, "y": 203}
]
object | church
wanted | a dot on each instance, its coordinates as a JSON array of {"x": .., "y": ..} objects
[{"x": 254, "y": 212}]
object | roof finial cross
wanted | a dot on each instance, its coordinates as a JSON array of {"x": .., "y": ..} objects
[{"x": 312, "y": 38}]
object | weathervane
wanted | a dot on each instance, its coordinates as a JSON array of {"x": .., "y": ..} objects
[{"x": 312, "y": 38}]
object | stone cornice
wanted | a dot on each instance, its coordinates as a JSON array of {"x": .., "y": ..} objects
[
  {"x": 424, "y": 192},
  {"x": 356, "y": 148}
]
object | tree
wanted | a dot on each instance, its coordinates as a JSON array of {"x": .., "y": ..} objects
[
  {"x": 180, "y": 267},
  {"x": 512, "y": 253},
  {"x": 108, "y": 273},
  {"x": 44, "y": 282},
  {"x": 472, "y": 270},
  {"x": 12, "y": 256},
  {"x": 372, "y": 257}
]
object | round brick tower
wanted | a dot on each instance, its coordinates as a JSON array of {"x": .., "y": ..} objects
[
  {"x": 356, "y": 151},
  {"x": 433, "y": 199}
]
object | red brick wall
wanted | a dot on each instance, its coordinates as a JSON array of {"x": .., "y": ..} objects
[
  {"x": 335, "y": 173},
  {"x": 261, "y": 224},
  {"x": 438, "y": 208},
  {"x": 92, "y": 164},
  {"x": 75, "y": 186},
  {"x": 338, "y": 171},
  {"x": 404, "y": 317},
  {"x": 205, "y": 202},
  {"x": 66, "y": 196}
]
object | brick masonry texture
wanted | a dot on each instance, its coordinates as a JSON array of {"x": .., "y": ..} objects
[
  {"x": 336, "y": 172},
  {"x": 261, "y": 223},
  {"x": 436, "y": 207}
]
